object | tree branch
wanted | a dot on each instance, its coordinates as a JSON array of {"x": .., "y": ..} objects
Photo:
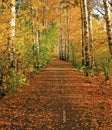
[{"x": 100, "y": 11}]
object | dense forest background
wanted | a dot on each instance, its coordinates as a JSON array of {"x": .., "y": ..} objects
[{"x": 34, "y": 31}]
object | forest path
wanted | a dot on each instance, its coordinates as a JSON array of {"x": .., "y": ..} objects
[{"x": 60, "y": 98}]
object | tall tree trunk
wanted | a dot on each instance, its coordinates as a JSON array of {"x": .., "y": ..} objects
[
  {"x": 68, "y": 31},
  {"x": 37, "y": 41},
  {"x": 64, "y": 34},
  {"x": 82, "y": 27},
  {"x": 90, "y": 34},
  {"x": 45, "y": 21},
  {"x": 37, "y": 47},
  {"x": 108, "y": 24},
  {"x": 86, "y": 34},
  {"x": 35, "y": 32},
  {"x": 12, "y": 35},
  {"x": 61, "y": 36}
]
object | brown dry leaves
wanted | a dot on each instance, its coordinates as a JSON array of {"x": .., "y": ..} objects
[{"x": 87, "y": 103}]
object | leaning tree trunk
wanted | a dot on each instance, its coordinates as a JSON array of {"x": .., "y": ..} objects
[
  {"x": 86, "y": 34},
  {"x": 108, "y": 24}
]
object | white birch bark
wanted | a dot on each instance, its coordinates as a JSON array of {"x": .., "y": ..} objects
[
  {"x": 86, "y": 32},
  {"x": 12, "y": 35}
]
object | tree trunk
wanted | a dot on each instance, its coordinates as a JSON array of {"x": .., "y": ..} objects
[
  {"x": 86, "y": 34},
  {"x": 12, "y": 49},
  {"x": 108, "y": 24},
  {"x": 60, "y": 46},
  {"x": 37, "y": 48},
  {"x": 68, "y": 31},
  {"x": 61, "y": 39},
  {"x": 35, "y": 32},
  {"x": 82, "y": 27},
  {"x": 90, "y": 34}
]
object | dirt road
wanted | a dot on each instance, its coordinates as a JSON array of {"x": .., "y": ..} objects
[{"x": 60, "y": 98}]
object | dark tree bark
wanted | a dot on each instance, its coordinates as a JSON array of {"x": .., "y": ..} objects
[{"x": 108, "y": 24}]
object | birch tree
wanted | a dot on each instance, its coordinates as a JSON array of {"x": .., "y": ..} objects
[
  {"x": 86, "y": 33},
  {"x": 82, "y": 28},
  {"x": 12, "y": 48},
  {"x": 108, "y": 24}
]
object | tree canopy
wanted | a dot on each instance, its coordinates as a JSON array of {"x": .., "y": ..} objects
[{"x": 32, "y": 32}]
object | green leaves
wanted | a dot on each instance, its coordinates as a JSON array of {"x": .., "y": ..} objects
[
  {"x": 47, "y": 44},
  {"x": 13, "y": 79},
  {"x": 104, "y": 63}
]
